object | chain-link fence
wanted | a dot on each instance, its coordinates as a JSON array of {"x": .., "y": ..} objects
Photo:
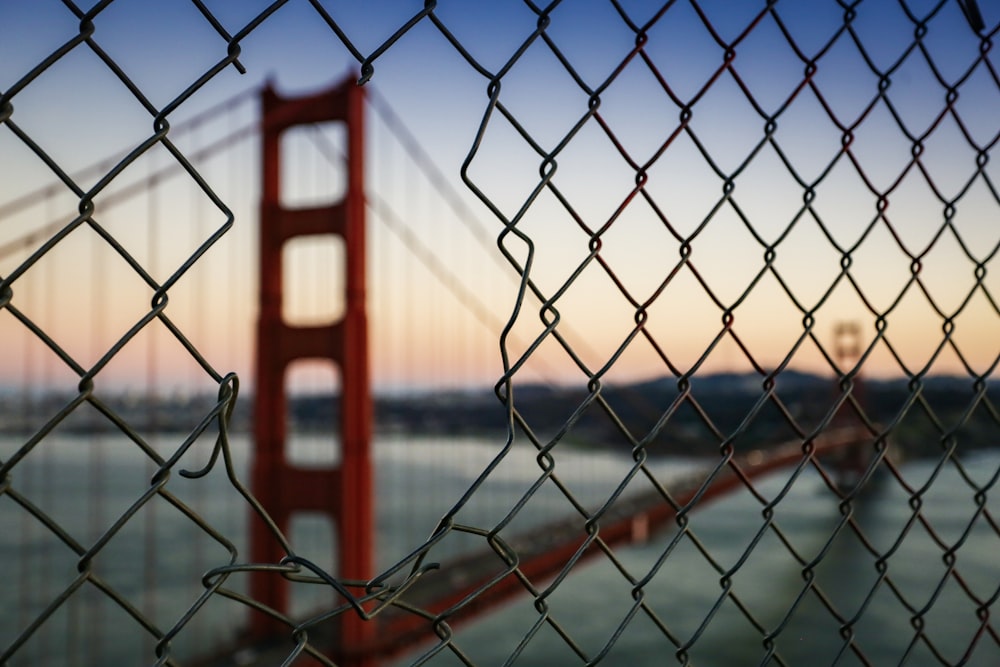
[{"x": 682, "y": 189}]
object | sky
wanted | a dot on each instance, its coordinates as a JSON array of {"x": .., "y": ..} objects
[{"x": 663, "y": 273}]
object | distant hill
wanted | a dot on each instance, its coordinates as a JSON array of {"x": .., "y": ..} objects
[
  {"x": 715, "y": 406},
  {"x": 655, "y": 412}
]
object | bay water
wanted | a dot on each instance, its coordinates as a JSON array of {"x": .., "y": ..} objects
[{"x": 913, "y": 572}]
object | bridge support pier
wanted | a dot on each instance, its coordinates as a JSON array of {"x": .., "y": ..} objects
[{"x": 342, "y": 492}]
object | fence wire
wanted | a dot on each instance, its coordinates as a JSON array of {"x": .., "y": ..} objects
[{"x": 849, "y": 77}]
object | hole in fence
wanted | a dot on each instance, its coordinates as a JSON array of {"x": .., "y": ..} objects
[
  {"x": 314, "y": 280},
  {"x": 313, "y": 161},
  {"x": 312, "y": 431}
]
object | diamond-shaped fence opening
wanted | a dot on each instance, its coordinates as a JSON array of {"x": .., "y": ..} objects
[{"x": 754, "y": 246}]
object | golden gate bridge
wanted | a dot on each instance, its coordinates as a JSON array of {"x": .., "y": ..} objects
[{"x": 332, "y": 339}]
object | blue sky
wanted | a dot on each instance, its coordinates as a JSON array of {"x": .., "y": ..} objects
[{"x": 78, "y": 111}]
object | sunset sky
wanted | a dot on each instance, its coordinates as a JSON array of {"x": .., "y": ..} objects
[{"x": 85, "y": 296}]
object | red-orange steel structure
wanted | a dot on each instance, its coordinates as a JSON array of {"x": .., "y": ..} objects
[
  {"x": 342, "y": 492},
  {"x": 546, "y": 551}
]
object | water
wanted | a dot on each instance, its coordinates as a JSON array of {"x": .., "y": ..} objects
[
  {"x": 683, "y": 591},
  {"x": 419, "y": 479}
]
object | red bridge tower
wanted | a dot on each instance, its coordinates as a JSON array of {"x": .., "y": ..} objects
[
  {"x": 342, "y": 492},
  {"x": 847, "y": 351}
]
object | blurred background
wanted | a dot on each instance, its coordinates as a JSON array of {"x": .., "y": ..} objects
[{"x": 684, "y": 232}]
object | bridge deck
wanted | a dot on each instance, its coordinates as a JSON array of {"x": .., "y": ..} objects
[{"x": 544, "y": 551}]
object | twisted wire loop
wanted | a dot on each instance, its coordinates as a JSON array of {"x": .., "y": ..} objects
[{"x": 850, "y": 82}]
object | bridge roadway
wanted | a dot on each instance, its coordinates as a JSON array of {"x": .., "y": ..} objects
[{"x": 544, "y": 551}]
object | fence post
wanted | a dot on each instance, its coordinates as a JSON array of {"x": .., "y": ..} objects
[{"x": 342, "y": 492}]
